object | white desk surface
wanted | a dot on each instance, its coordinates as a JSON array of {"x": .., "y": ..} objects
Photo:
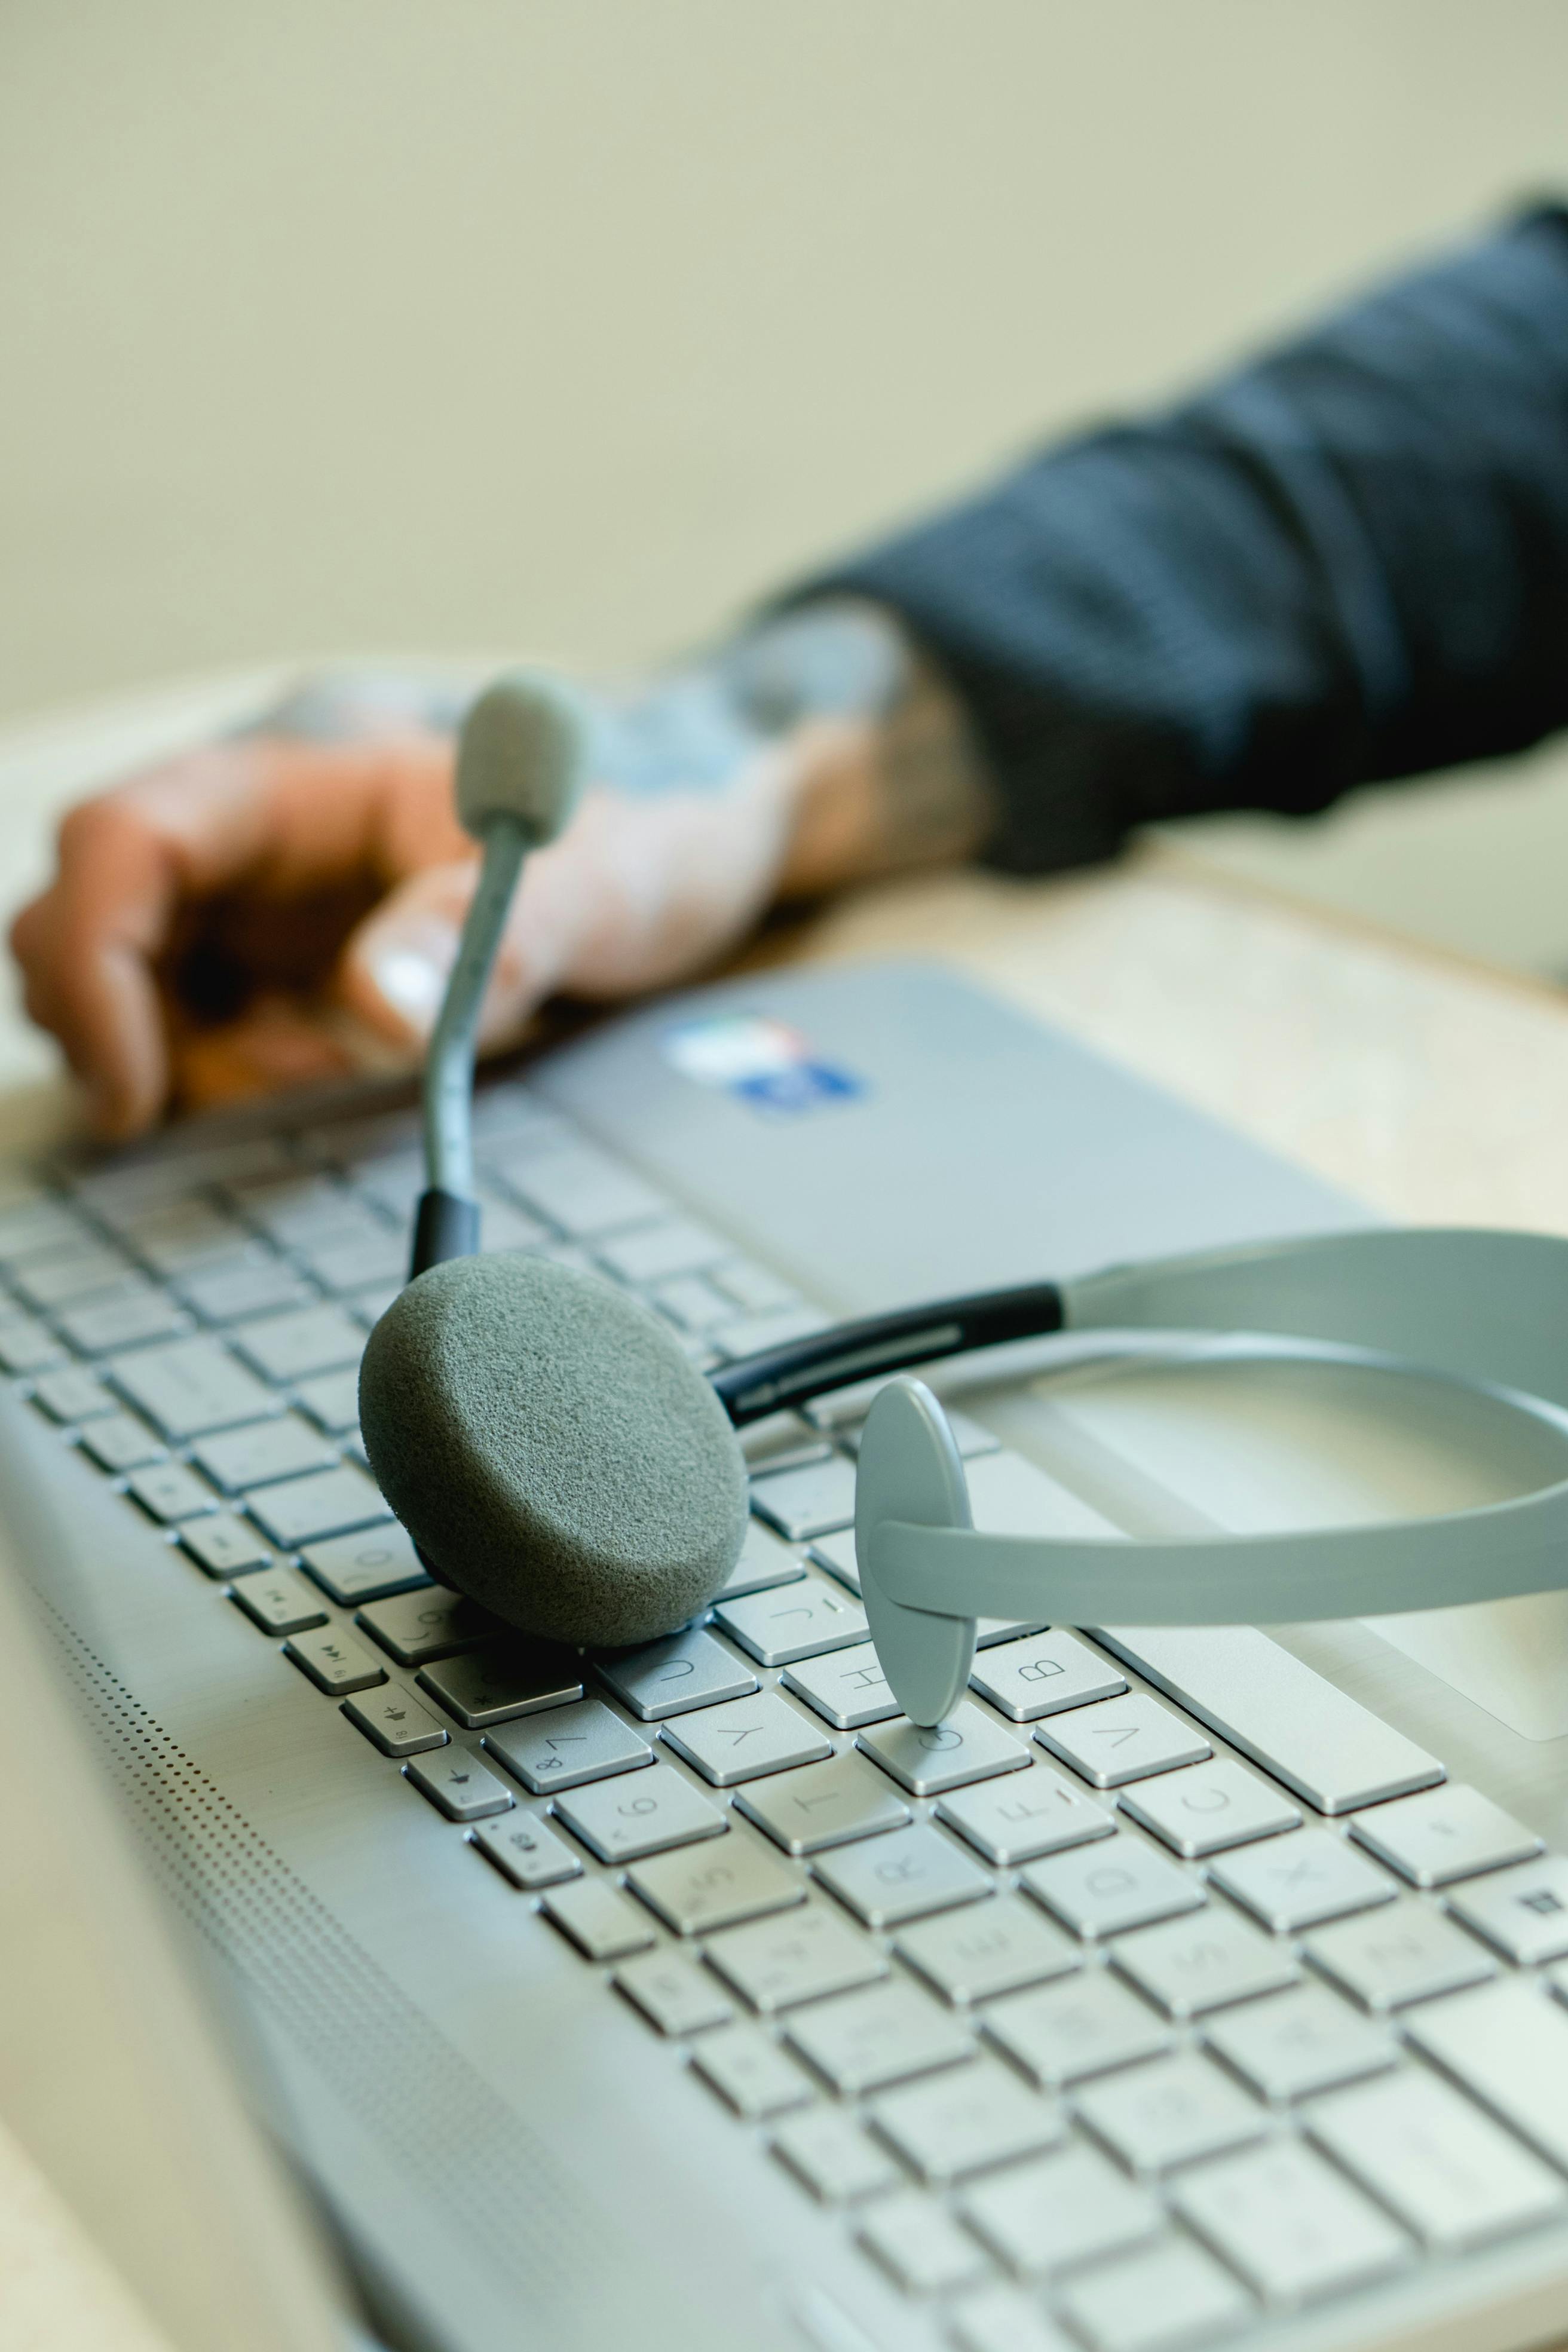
[{"x": 1435, "y": 1090}]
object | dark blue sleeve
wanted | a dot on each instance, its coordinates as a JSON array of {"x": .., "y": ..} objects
[{"x": 1347, "y": 562}]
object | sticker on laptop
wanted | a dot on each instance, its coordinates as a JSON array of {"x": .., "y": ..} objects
[{"x": 760, "y": 1062}]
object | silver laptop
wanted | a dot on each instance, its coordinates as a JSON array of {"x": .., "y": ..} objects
[{"x": 1185, "y": 1989}]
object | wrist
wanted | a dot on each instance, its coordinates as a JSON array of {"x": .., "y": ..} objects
[{"x": 882, "y": 771}]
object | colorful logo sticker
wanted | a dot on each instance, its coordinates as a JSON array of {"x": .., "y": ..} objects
[{"x": 760, "y": 1062}]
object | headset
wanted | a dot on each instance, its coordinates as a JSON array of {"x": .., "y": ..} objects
[{"x": 556, "y": 1456}]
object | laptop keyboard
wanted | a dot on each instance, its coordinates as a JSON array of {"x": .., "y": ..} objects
[{"x": 1162, "y": 1988}]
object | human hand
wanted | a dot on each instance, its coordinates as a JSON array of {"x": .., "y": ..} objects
[{"x": 273, "y": 909}]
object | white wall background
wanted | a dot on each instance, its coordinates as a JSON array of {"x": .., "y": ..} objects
[{"x": 571, "y": 324}]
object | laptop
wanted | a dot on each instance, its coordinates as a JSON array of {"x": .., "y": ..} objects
[{"x": 1184, "y": 1988}]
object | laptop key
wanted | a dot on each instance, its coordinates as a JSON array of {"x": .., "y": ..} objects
[
  {"x": 331, "y": 1400},
  {"x": 1404, "y": 1953},
  {"x": 397, "y": 1724},
  {"x": 803, "y": 1621},
  {"x": 1121, "y": 1739},
  {"x": 568, "y": 1748},
  {"x": 234, "y": 1459},
  {"x": 309, "y": 1339},
  {"x": 1070, "y": 2208},
  {"x": 776, "y": 1964},
  {"x": 355, "y": 1261},
  {"x": 1449, "y": 2172},
  {"x": 812, "y": 1501},
  {"x": 1169, "y": 2112},
  {"x": 664, "y": 1678},
  {"x": 458, "y": 1785},
  {"x": 621, "y": 1820},
  {"x": 224, "y": 1546},
  {"x": 50, "y": 1281},
  {"x": 1208, "y": 1807},
  {"x": 1174, "y": 2294},
  {"x": 674, "y": 1993},
  {"x": 26, "y": 1345},
  {"x": 502, "y": 1680},
  {"x": 996, "y": 1948},
  {"x": 1190, "y": 1966},
  {"x": 764, "y": 1563},
  {"x": 191, "y": 1387},
  {"x": 750, "y": 2071},
  {"x": 657, "y": 1253},
  {"x": 1004, "y": 2319},
  {"x": 169, "y": 1493},
  {"x": 299, "y": 1511},
  {"x": 335, "y": 1661},
  {"x": 745, "y": 1739},
  {"x": 782, "y": 1442},
  {"x": 254, "y": 1285},
  {"x": 184, "y": 1234},
  {"x": 85, "y": 1273},
  {"x": 368, "y": 1567},
  {"x": 699, "y": 1889},
  {"x": 523, "y": 1850},
  {"x": 865, "y": 2040},
  {"x": 1522, "y": 1913},
  {"x": 431, "y": 1622},
  {"x": 926, "y": 1759},
  {"x": 1102, "y": 1890},
  {"x": 967, "y": 2120},
  {"x": 754, "y": 1289},
  {"x": 602, "y": 1924},
  {"x": 1290, "y": 2223},
  {"x": 1444, "y": 1834},
  {"x": 279, "y": 1601},
  {"x": 121, "y": 1442},
  {"x": 836, "y": 1553},
  {"x": 838, "y": 2162},
  {"x": 823, "y": 1805},
  {"x": 749, "y": 1334},
  {"x": 1043, "y": 1674},
  {"x": 40, "y": 1228},
  {"x": 1304, "y": 2041},
  {"x": 1324, "y": 1746},
  {"x": 692, "y": 1304},
  {"x": 906, "y": 1875},
  {"x": 1064, "y": 2032},
  {"x": 921, "y": 2247},
  {"x": 135, "y": 1312},
  {"x": 1509, "y": 2047},
  {"x": 847, "y": 1687},
  {"x": 1300, "y": 1881},
  {"x": 1025, "y": 1815},
  {"x": 582, "y": 1190},
  {"x": 368, "y": 1307},
  {"x": 74, "y": 1395},
  {"x": 504, "y": 1226}
]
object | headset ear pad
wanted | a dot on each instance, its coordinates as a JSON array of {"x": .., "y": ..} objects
[{"x": 551, "y": 1450}]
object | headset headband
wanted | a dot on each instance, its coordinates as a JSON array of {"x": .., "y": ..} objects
[{"x": 1488, "y": 1308}]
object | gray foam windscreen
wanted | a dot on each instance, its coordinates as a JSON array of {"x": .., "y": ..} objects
[
  {"x": 523, "y": 753},
  {"x": 551, "y": 1451}
]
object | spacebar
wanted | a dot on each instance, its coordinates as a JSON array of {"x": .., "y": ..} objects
[{"x": 1297, "y": 1725}]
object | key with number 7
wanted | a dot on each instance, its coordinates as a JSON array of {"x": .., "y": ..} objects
[{"x": 567, "y": 1747}]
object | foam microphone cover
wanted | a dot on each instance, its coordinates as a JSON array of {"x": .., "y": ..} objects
[
  {"x": 522, "y": 752},
  {"x": 551, "y": 1450}
]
